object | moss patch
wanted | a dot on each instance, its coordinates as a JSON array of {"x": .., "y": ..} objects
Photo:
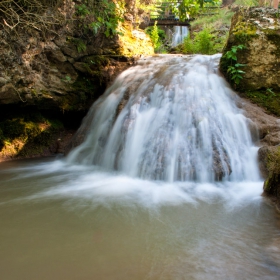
[
  {"x": 27, "y": 135},
  {"x": 266, "y": 98},
  {"x": 244, "y": 31}
]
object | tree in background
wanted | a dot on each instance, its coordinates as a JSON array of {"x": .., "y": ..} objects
[{"x": 186, "y": 9}]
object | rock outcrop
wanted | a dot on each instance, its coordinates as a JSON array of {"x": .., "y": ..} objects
[
  {"x": 258, "y": 30},
  {"x": 62, "y": 71},
  {"x": 256, "y": 34}
]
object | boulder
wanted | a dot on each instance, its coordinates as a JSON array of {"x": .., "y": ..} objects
[
  {"x": 258, "y": 30},
  {"x": 270, "y": 158}
]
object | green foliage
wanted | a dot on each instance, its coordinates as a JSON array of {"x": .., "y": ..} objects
[
  {"x": 201, "y": 43},
  {"x": 233, "y": 69},
  {"x": 212, "y": 28},
  {"x": 154, "y": 35},
  {"x": 186, "y": 9},
  {"x": 157, "y": 36},
  {"x": 183, "y": 9},
  {"x": 266, "y": 98},
  {"x": 189, "y": 46},
  {"x": 189, "y": 8},
  {"x": 81, "y": 46},
  {"x": 232, "y": 53},
  {"x": 204, "y": 41},
  {"x": 147, "y": 6},
  {"x": 271, "y": 92},
  {"x": 12, "y": 128},
  {"x": 91, "y": 16},
  {"x": 235, "y": 72},
  {"x": 221, "y": 17},
  {"x": 32, "y": 127},
  {"x": 82, "y": 10},
  {"x": 248, "y": 3},
  {"x": 100, "y": 16},
  {"x": 67, "y": 79},
  {"x": 244, "y": 31},
  {"x": 25, "y": 127},
  {"x": 216, "y": 25}
]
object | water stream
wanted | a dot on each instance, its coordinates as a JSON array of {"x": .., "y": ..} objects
[
  {"x": 170, "y": 118},
  {"x": 179, "y": 33},
  {"x": 164, "y": 185}
]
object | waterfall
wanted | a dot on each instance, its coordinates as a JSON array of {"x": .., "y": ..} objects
[
  {"x": 179, "y": 33},
  {"x": 171, "y": 118}
]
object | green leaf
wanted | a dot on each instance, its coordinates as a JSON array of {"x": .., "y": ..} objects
[{"x": 240, "y": 65}]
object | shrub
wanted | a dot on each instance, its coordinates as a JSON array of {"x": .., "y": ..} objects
[
  {"x": 201, "y": 43},
  {"x": 157, "y": 36}
]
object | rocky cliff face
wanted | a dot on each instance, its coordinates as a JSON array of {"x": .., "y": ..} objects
[
  {"x": 257, "y": 31},
  {"x": 64, "y": 72},
  {"x": 60, "y": 71}
]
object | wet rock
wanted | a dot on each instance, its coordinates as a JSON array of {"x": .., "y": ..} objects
[
  {"x": 264, "y": 127},
  {"x": 270, "y": 157},
  {"x": 266, "y": 131}
]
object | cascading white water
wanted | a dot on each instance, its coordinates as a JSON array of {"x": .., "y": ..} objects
[
  {"x": 171, "y": 118},
  {"x": 179, "y": 33}
]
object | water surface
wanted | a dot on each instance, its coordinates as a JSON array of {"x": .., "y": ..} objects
[{"x": 78, "y": 223}]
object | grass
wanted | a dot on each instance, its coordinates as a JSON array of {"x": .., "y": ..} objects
[
  {"x": 217, "y": 23},
  {"x": 221, "y": 18},
  {"x": 249, "y": 3}
]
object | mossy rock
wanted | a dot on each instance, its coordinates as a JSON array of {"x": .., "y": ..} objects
[
  {"x": 27, "y": 134},
  {"x": 271, "y": 185},
  {"x": 258, "y": 29},
  {"x": 266, "y": 98}
]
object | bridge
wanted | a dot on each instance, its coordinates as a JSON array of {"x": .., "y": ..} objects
[{"x": 163, "y": 15}]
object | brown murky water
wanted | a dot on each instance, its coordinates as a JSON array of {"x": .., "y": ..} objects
[{"x": 63, "y": 222}]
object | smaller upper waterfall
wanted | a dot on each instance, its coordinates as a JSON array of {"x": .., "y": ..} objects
[
  {"x": 172, "y": 118},
  {"x": 179, "y": 33}
]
